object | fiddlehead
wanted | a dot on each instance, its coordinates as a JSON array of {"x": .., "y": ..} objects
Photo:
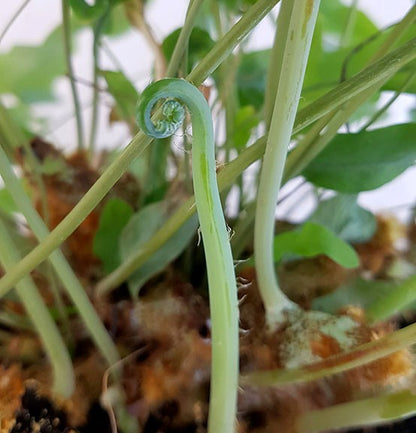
[{"x": 220, "y": 268}]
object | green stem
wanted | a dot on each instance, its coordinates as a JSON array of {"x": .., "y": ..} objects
[
  {"x": 302, "y": 23},
  {"x": 98, "y": 29},
  {"x": 349, "y": 26},
  {"x": 370, "y": 411},
  {"x": 230, "y": 40},
  {"x": 64, "y": 380},
  {"x": 183, "y": 39},
  {"x": 84, "y": 207},
  {"x": 383, "y": 69},
  {"x": 356, "y": 85},
  {"x": 13, "y": 19},
  {"x": 225, "y": 178},
  {"x": 314, "y": 142},
  {"x": 16, "y": 321},
  {"x": 59, "y": 263},
  {"x": 138, "y": 144},
  {"x": 276, "y": 59},
  {"x": 13, "y": 139},
  {"x": 220, "y": 267},
  {"x": 354, "y": 358},
  {"x": 390, "y": 102},
  {"x": 398, "y": 30},
  {"x": 67, "y": 48}
]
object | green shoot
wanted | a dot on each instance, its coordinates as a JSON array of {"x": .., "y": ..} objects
[{"x": 220, "y": 267}]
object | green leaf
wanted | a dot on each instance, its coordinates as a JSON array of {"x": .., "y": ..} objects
[
  {"x": 251, "y": 78},
  {"x": 245, "y": 120},
  {"x": 114, "y": 217},
  {"x": 140, "y": 229},
  {"x": 334, "y": 16},
  {"x": 28, "y": 72},
  {"x": 52, "y": 165},
  {"x": 200, "y": 43},
  {"x": 359, "y": 162},
  {"x": 358, "y": 292},
  {"x": 328, "y": 55},
  {"x": 342, "y": 215},
  {"x": 124, "y": 93},
  {"x": 116, "y": 22},
  {"x": 311, "y": 240},
  {"x": 394, "y": 302}
]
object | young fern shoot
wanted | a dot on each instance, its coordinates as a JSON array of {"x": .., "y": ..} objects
[
  {"x": 303, "y": 14},
  {"x": 220, "y": 268}
]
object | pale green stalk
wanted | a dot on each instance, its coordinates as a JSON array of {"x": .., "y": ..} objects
[
  {"x": 59, "y": 263},
  {"x": 302, "y": 23},
  {"x": 63, "y": 373},
  {"x": 356, "y": 85},
  {"x": 137, "y": 145},
  {"x": 370, "y": 411},
  {"x": 219, "y": 261},
  {"x": 276, "y": 59},
  {"x": 13, "y": 139}
]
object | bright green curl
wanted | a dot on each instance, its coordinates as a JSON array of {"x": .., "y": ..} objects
[{"x": 220, "y": 267}]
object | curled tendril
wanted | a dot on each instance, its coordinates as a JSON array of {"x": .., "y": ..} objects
[
  {"x": 220, "y": 266},
  {"x": 173, "y": 116}
]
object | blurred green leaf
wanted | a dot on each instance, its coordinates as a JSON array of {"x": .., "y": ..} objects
[
  {"x": 52, "y": 165},
  {"x": 359, "y": 162},
  {"x": 251, "y": 78},
  {"x": 117, "y": 22},
  {"x": 359, "y": 292},
  {"x": 114, "y": 217},
  {"x": 200, "y": 43},
  {"x": 140, "y": 229},
  {"x": 334, "y": 16},
  {"x": 28, "y": 72},
  {"x": 344, "y": 62},
  {"x": 245, "y": 120},
  {"x": 124, "y": 93},
  {"x": 394, "y": 302},
  {"x": 342, "y": 215},
  {"x": 7, "y": 203},
  {"x": 313, "y": 239}
]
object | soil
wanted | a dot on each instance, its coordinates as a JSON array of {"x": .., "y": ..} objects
[{"x": 164, "y": 338}]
